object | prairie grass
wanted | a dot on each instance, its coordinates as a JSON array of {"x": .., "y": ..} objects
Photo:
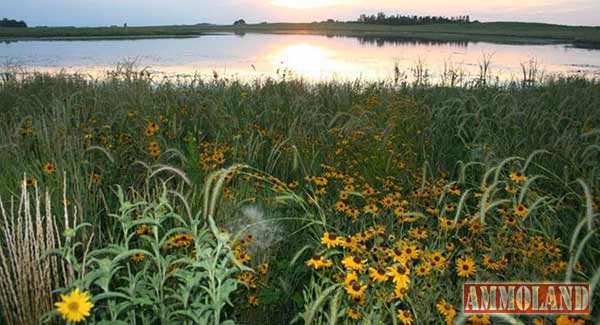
[
  {"x": 503, "y": 176},
  {"x": 29, "y": 231}
]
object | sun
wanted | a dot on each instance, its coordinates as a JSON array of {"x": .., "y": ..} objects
[{"x": 309, "y": 4}]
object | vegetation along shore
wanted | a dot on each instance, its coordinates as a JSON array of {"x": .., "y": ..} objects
[
  {"x": 506, "y": 32},
  {"x": 128, "y": 200}
]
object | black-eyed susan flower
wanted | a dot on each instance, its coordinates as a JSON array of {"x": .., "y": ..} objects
[
  {"x": 446, "y": 224},
  {"x": 423, "y": 269},
  {"x": 400, "y": 275},
  {"x": 520, "y": 210},
  {"x": 368, "y": 191},
  {"x": 253, "y": 300},
  {"x": 247, "y": 279},
  {"x": 353, "y": 314},
  {"x": 154, "y": 149},
  {"x": 479, "y": 320},
  {"x": 96, "y": 178},
  {"x": 411, "y": 252},
  {"x": 350, "y": 243},
  {"x": 343, "y": 196},
  {"x": 356, "y": 290},
  {"x": 242, "y": 256},
  {"x": 378, "y": 275},
  {"x": 371, "y": 209},
  {"x": 387, "y": 202},
  {"x": 151, "y": 129},
  {"x": 138, "y": 257},
  {"x": 75, "y": 306},
  {"x": 350, "y": 277},
  {"x": 331, "y": 240},
  {"x": 494, "y": 265},
  {"x": 399, "y": 211},
  {"x": 510, "y": 189},
  {"x": 30, "y": 181},
  {"x": 518, "y": 177},
  {"x": 400, "y": 291},
  {"x": 570, "y": 320},
  {"x": 447, "y": 311},
  {"x": 318, "y": 262},
  {"x": 321, "y": 181},
  {"x": 340, "y": 206},
  {"x": 432, "y": 210},
  {"x": 397, "y": 256},
  {"x": 354, "y": 263},
  {"x": 475, "y": 227},
  {"x": 437, "y": 260},
  {"x": 352, "y": 213},
  {"x": 49, "y": 168},
  {"x": 418, "y": 233},
  {"x": 263, "y": 268},
  {"x": 404, "y": 316},
  {"x": 454, "y": 189},
  {"x": 465, "y": 267}
]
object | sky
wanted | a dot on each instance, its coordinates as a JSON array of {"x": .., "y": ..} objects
[{"x": 170, "y": 12}]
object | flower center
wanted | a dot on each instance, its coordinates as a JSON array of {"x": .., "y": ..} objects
[{"x": 73, "y": 306}]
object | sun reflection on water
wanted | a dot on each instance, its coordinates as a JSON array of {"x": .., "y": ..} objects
[
  {"x": 311, "y": 57},
  {"x": 316, "y": 61}
]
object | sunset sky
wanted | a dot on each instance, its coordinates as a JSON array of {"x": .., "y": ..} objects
[{"x": 161, "y": 12}]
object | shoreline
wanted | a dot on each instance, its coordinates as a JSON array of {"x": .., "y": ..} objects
[{"x": 512, "y": 33}]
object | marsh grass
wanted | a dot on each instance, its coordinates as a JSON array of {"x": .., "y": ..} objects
[{"x": 224, "y": 146}]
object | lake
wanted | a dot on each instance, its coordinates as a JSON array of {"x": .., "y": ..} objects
[{"x": 312, "y": 57}]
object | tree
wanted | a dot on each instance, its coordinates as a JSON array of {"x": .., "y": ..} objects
[
  {"x": 240, "y": 22},
  {"x": 382, "y": 19},
  {"x": 12, "y": 23}
]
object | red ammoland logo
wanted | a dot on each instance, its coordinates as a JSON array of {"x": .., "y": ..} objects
[{"x": 526, "y": 298}]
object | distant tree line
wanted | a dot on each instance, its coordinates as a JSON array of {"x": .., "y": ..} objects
[
  {"x": 382, "y": 19},
  {"x": 12, "y": 23}
]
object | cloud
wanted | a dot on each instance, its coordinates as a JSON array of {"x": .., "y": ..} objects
[{"x": 160, "y": 12}]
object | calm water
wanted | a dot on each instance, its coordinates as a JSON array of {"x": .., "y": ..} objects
[{"x": 309, "y": 56}]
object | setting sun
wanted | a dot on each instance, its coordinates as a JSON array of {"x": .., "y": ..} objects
[{"x": 308, "y": 4}]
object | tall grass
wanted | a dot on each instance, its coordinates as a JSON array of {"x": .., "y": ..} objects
[
  {"x": 29, "y": 230},
  {"x": 402, "y": 138}
]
